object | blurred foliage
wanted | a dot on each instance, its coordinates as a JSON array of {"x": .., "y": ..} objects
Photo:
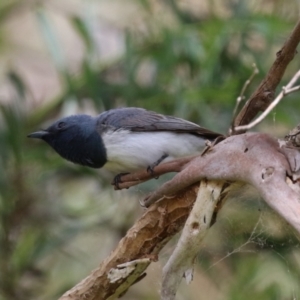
[{"x": 58, "y": 220}]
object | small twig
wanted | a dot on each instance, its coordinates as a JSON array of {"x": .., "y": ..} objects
[
  {"x": 264, "y": 94},
  {"x": 291, "y": 90},
  {"x": 241, "y": 97},
  {"x": 285, "y": 91}
]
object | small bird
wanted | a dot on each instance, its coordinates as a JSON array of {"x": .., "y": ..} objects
[{"x": 123, "y": 140}]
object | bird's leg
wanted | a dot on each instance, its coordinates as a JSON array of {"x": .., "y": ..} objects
[
  {"x": 150, "y": 168},
  {"x": 117, "y": 180},
  {"x": 140, "y": 176}
]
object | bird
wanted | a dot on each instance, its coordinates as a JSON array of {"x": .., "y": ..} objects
[{"x": 123, "y": 140}]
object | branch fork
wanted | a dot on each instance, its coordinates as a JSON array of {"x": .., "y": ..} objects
[{"x": 271, "y": 166}]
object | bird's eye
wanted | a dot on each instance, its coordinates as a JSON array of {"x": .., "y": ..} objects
[{"x": 61, "y": 125}]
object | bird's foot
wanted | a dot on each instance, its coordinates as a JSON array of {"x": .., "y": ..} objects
[
  {"x": 150, "y": 169},
  {"x": 117, "y": 180}
]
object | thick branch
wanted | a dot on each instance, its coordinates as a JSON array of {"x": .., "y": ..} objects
[
  {"x": 196, "y": 227},
  {"x": 254, "y": 158},
  {"x": 264, "y": 94},
  {"x": 144, "y": 240}
]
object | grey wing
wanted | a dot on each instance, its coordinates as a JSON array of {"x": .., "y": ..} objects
[{"x": 139, "y": 120}]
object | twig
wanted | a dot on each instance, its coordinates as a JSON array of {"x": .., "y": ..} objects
[
  {"x": 285, "y": 91},
  {"x": 241, "y": 97},
  {"x": 264, "y": 94},
  {"x": 292, "y": 90}
]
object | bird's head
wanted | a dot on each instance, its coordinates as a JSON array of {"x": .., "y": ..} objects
[{"x": 76, "y": 139}]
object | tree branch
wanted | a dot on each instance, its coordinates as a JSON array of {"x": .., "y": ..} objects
[
  {"x": 290, "y": 88},
  {"x": 254, "y": 158},
  {"x": 143, "y": 241},
  {"x": 264, "y": 94},
  {"x": 195, "y": 229}
]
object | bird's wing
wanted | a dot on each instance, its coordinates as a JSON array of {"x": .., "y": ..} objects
[{"x": 141, "y": 120}]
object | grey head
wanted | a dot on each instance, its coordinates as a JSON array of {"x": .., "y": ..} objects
[{"x": 76, "y": 139}]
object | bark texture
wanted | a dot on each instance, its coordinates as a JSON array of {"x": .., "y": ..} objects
[{"x": 269, "y": 165}]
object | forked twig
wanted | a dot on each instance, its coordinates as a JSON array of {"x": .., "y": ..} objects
[
  {"x": 249, "y": 158},
  {"x": 264, "y": 94},
  {"x": 285, "y": 91}
]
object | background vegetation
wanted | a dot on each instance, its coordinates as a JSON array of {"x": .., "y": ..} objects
[{"x": 185, "y": 58}]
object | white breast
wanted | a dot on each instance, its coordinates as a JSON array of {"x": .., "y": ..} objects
[{"x": 128, "y": 151}]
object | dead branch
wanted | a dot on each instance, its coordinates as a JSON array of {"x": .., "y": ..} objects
[
  {"x": 290, "y": 88},
  {"x": 143, "y": 241},
  {"x": 264, "y": 94},
  {"x": 163, "y": 219},
  {"x": 254, "y": 158},
  {"x": 195, "y": 229}
]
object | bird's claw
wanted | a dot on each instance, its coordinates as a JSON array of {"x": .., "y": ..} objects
[
  {"x": 150, "y": 170},
  {"x": 117, "y": 180},
  {"x": 142, "y": 203}
]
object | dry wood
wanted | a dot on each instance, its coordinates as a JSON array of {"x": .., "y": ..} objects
[
  {"x": 166, "y": 217},
  {"x": 264, "y": 94},
  {"x": 144, "y": 240}
]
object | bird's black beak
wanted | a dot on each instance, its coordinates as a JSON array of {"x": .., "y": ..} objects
[{"x": 38, "y": 134}]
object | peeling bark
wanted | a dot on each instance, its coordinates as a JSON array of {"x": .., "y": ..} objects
[
  {"x": 271, "y": 166},
  {"x": 196, "y": 227},
  {"x": 254, "y": 158},
  {"x": 143, "y": 241}
]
